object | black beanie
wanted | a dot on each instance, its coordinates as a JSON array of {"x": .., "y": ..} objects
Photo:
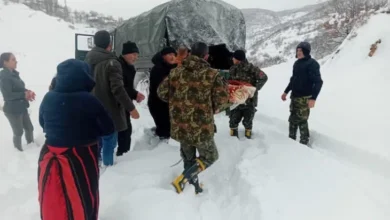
[
  {"x": 129, "y": 47},
  {"x": 168, "y": 50},
  {"x": 239, "y": 55},
  {"x": 102, "y": 39},
  {"x": 306, "y": 48}
]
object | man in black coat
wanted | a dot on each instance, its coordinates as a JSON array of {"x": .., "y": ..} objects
[
  {"x": 163, "y": 62},
  {"x": 129, "y": 56},
  {"x": 305, "y": 84}
]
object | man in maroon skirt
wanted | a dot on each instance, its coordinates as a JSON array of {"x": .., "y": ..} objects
[{"x": 73, "y": 120}]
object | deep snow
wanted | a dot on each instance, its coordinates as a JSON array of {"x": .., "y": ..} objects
[{"x": 269, "y": 177}]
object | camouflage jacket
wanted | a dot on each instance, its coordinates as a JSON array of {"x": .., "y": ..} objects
[
  {"x": 195, "y": 92},
  {"x": 247, "y": 72}
]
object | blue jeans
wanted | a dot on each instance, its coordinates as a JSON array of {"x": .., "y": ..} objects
[{"x": 107, "y": 144}]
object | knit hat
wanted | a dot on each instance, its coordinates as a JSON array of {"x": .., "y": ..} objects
[
  {"x": 239, "y": 55},
  {"x": 168, "y": 50},
  {"x": 102, "y": 39},
  {"x": 306, "y": 48},
  {"x": 129, "y": 47}
]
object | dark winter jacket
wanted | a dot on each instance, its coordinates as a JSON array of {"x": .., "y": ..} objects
[
  {"x": 109, "y": 88},
  {"x": 13, "y": 89},
  {"x": 52, "y": 83},
  {"x": 160, "y": 70},
  {"x": 128, "y": 78},
  {"x": 69, "y": 114},
  {"x": 306, "y": 79}
]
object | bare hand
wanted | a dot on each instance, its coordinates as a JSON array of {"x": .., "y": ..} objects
[
  {"x": 134, "y": 114},
  {"x": 29, "y": 95},
  {"x": 32, "y": 95},
  {"x": 284, "y": 97},
  {"x": 140, "y": 97},
  {"x": 311, "y": 103}
]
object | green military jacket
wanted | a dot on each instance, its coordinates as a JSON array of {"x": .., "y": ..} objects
[{"x": 195, "y": 92}]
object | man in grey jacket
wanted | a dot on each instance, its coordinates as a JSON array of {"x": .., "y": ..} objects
[{"x": 109, "y": 89}]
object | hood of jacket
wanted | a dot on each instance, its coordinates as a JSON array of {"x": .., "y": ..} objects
[
  {"x": 158, "y": 60},
  {"x": 97, "y": 55},
  {"x": 195, "y": 63},
  {"x": 74, "y": 76}
]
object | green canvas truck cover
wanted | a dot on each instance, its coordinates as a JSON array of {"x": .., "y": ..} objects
[{"x": 183, "y": 22}]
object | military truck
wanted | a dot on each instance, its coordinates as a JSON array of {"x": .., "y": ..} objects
[{"x": 175, "y": 23}]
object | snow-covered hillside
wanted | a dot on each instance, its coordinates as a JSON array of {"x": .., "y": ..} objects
[
  {"x": 344, "y": 176},
  {"x": 349, "y": 105},
  {"x": 272, "y": 37}
]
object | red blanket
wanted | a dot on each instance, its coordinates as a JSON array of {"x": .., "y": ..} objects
[{"x": 239, "y": 92}]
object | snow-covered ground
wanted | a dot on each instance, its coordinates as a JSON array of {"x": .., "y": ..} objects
[{"x": 345, "y": 176}]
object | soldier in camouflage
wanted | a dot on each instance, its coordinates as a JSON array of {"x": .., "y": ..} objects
[
  {"x": 305, "y": 84},
  {"x": 225, "y": 74},
  {"x": 195, "y": 92},
  {"x": 244, "y": 71}
]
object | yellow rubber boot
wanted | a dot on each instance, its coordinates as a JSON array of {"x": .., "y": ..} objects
[
  {"x": 179, "y": 183},
  {"x": 248, "y": 133},
  {"x": 234, "y": 132},
  {"x": 188, "y": 174}
]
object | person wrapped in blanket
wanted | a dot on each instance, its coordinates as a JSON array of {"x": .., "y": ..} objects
[
  {"x": 73, "y": 120},
  {"x": 246, "y": 73}
]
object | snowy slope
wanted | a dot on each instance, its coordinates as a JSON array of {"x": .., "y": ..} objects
[
  {"x": 361, "y": 81},
  {"x": 272, "y": 37},
  {"x": 267, "y": 178}
]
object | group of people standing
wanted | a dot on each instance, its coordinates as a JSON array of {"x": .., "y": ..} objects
[{"x": 87, "y": 113}]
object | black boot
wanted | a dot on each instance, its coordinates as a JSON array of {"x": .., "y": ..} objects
[
  {"x": 29, "y": 137},
  {"x": 304, "y": 142},
  {"x": 18, "y": 143},
  {"x": 195, "y": 182}
]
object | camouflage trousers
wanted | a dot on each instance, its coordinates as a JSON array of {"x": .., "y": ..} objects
[
  {"x": 299, "y": 115},
  {"x": 208, "y": 153},
  {"x": 246, "y": 112}
]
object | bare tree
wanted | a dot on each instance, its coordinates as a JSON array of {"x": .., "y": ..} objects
[
  {"x": 349, "y": 14},
  {"x": 53, "y": 8}
]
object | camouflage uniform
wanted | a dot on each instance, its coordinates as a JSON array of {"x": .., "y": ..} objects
[
  {"x": 299, "y": 117},
  {"x": 194, "y": 92},
  {"x": 246, "y": 72},
  {"x": 226, "y": 75},
  {"x": 207, "y": 152}
]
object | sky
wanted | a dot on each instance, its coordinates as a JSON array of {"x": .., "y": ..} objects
[{"x": 130, "y": 8}]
